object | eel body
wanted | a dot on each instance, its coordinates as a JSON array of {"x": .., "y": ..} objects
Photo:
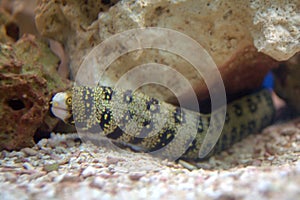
[{"x": 156, "y": 126}]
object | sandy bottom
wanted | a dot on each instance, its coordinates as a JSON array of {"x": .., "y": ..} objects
[{"x": 263, "y": 166}]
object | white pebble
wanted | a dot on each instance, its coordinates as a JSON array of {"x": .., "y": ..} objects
[
  {"x": 135, "y": 176},
  {"x": 11, "y": 177},
  {"x": 264, "y": 186},
  {"x": 298, "y": 166},
  {"x": 89, "y": 171},
  {"x": 28, "y": 166},
  {"x": 98, "y": 182}
]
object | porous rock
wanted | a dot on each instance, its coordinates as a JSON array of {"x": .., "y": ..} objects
[
  {"x": 22, "y": 12},
  {"x": 9, "y": 31},
  {"x": 276, "y": 27},
  {"x": 28, "y": 79},
  {"x": 59, "y": 19},
  {"x": 224, "y": 28}
]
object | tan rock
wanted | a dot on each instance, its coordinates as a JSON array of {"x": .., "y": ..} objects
[
  {"x": 9, "y": 31},
  {"x": 22, "y": 11},
  {"x": 230, "y": 31},
  {"x": 276, "y": 27}
]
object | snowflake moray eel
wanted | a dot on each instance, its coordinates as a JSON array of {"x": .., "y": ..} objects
[{"x": 137, "y": 119}]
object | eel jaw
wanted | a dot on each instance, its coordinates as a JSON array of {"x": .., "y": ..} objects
[{"x": 59, "y": 107}]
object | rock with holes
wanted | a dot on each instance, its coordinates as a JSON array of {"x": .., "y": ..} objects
[
  {"x": 63, "y": 17},
  {"x": 9, "y": 31},
  {"x": 224, "y": 29},
  {"x": 23, "y": 14},
  {"x": 28, "y": 80}
]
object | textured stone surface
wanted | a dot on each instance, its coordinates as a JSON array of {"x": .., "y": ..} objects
[
  {"x": 222, "y": 28},
  {"x": 276, "y": 27},
  {"x": 9, "y": 31},
  {"x": 287, "y": 82},
  {"x": 58, "y": 19},
  {"x": 60, "y": 168},
  {"x": 22, "y": 11},
  {"x": 28, "y": 81}
]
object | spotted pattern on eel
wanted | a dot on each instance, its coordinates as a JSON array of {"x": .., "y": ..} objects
[{"x": 143, "y": 121}]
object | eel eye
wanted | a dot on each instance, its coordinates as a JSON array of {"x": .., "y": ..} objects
[{"x": 69, "y": 101}]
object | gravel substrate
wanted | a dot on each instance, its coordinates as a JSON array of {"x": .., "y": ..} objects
[{"x": 264, "y": 166}]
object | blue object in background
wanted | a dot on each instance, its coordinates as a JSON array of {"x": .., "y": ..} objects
[{"x": 268, "y": 81}]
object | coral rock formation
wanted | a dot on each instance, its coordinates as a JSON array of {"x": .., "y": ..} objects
[
  {"x": 28, "y": 79},
  {"x": 225, "y": 29}
]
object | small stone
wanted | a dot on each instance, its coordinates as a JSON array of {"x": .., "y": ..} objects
[
  {"x": 135, "y": 176},
  {"x": 298, "y": 166},
  {"x": 187, "y": 165},
  {"x": 256, "y": 162},
  {"x": 104, "y": 174},
  {"x": 265, "y": 186},
  {"x": 203, "y": 165},
  {"x": 16, "y": 154},
  {"x": 28, "y": 166},
  {"x": 60, "y": 150},
  {"x": 289, "y": 131},
  {"x": 113, "y": 160},
  {"x": 57, "y": 178},
  {"x": 70, "y": 178},
  {"x": 42, "y": 143},
  {"x": 10, "y": 177},
  {"x": 29, "y": 151},
  {"x": 51, "y": 167},
  {"x": 20, "y": 154},
  {"x": 271, "y": 158},
  {"x": 71, "y": 143},
  {"x": 89, "y": 171}
]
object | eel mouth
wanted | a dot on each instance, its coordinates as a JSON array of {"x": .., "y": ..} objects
[
  {"x": 59, "y": 107},
  {"x": 61, "y": 113}
]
